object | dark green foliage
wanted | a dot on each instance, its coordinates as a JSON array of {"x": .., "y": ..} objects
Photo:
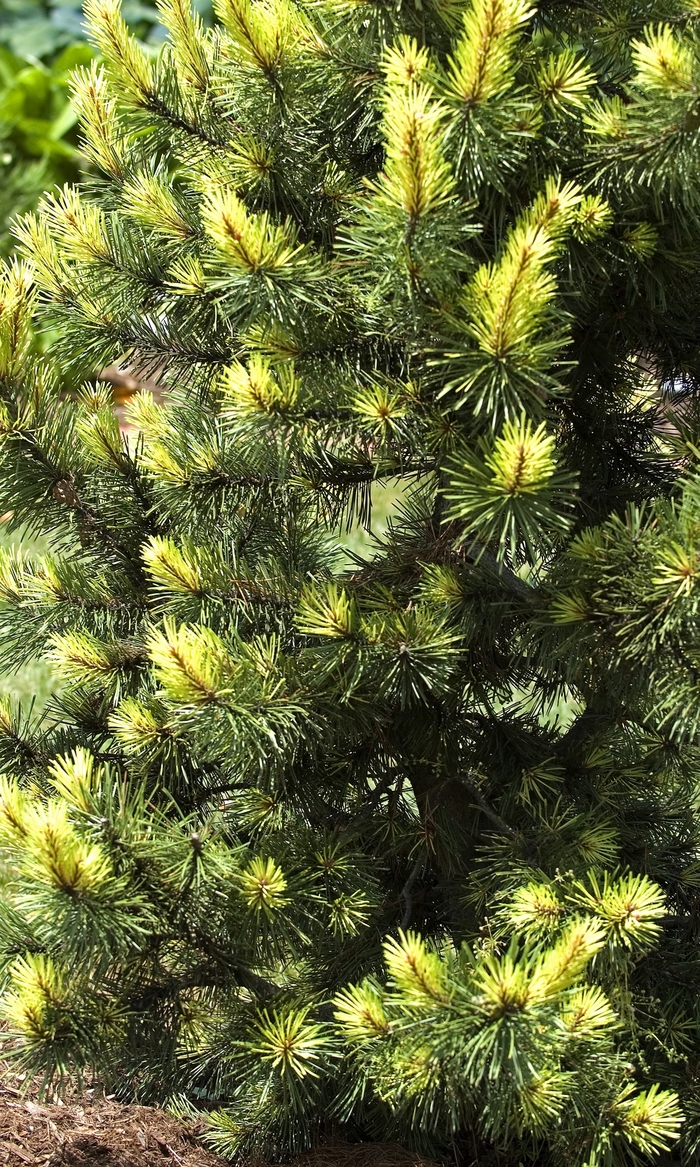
[{"x": 401, "y": 845}]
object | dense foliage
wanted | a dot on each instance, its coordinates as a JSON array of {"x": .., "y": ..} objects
[{"x": 402, "y": 846}]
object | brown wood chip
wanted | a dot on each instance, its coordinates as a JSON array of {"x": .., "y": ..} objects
[{"x": 18, "y": 1152}]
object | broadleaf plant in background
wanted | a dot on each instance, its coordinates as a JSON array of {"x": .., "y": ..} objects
[
  {"x": 401, "y": 845},
  {"x": 40, "y": 45}
]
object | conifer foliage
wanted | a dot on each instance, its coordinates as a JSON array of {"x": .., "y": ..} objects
[{"x": 397, "y": 846}]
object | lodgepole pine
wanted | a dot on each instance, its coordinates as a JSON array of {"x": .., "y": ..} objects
[{"x": 401, "y": 845}]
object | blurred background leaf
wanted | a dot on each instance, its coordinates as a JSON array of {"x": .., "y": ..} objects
[{"x": 40, "y": 44}]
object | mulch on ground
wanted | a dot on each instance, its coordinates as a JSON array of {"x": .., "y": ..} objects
[
  {"x": 96, "y": 1133},
  {"x": 91, "y": 1130},
  {"x": 104, "y": 1133}
]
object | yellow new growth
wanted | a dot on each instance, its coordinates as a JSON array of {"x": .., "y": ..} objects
[
  {"x": 250, "y": 162},
  {"x": 164, "y": 464},
  {"x": 593, "y": 217},
  {"x": 382, "y": 406},
  {"x": 98, "y": 426},
  {"x": 562, "y": 966},
  {"x": 252, "y": 243},
  {"x": 417, "y": 973},
  {"x": 607, "y": 118},
  {"x": 99, "y": 119},
  {"x": 137, "y": 727},
  {"x": 145, "y": 414},
  {"x": 76, "y": 779},
  {"x": 256, "y": 389},
  {"x": 569, "y": 607},
  {"x": 641, "y": 240},
  {"x": 535, "y": 907},
  {"x": 151, "y": 202},
  {"x": 80, "y": 656},
  {"x": 523, "y": 460},
  {"x": 16, "y": 809},
  {"x": 263, "y": 886},
  {"x": 263, "y": 33},
  {"x": 188, "y": 40},
  {"x": 588, "y": 1011},
  {"x": 168, "y": 565},
  {"x": 56, "y": 855},
  {"x": 482, "y": 65},
  {"x": 151, "y": 419},
  {"x": 501, "y": 985},
  {"x": 359, "y": 1009},
  {"x": 35, "y": 1003},
  {"x": 677, "y": 570},
  {"x": 190, "y": 663},
  {"x": 541, "y": 1099},
  {"x": 49, "y": 271},
  {"x": 508, "y": 299},
  {"x": 406, "y": 62},
  {"x": 650, "y": 1121},
  {"x": 664, "y": 64},
  {"x": 23, "y": 580},
  {"x": 328, "y": 611},
  {"x": 79, "y": 226},
  {"x": 348, "y": 912},
  {"x": 564, "y": 80},
  {"x": 416, "y": 177},
  {"x": 289, "y": 1042},
  {"x": 124, "y": 59},
  {"x": 512, "y": 983},
  {"x": 16, "y": 305},
  {"x": 186, "y": 276},
  {"x": 628, "y": 908}
]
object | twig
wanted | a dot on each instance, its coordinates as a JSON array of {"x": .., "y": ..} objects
[
  {"x": 167, "y": 1150},
  {"x": 373, "y": 800},
  {"x": 406, "y": 891},
  {"x": 480, "y": 555},
  {"x": 484, "y": 806}
]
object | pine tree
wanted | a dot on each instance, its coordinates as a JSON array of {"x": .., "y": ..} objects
[{"x": 397, "y": 845}]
